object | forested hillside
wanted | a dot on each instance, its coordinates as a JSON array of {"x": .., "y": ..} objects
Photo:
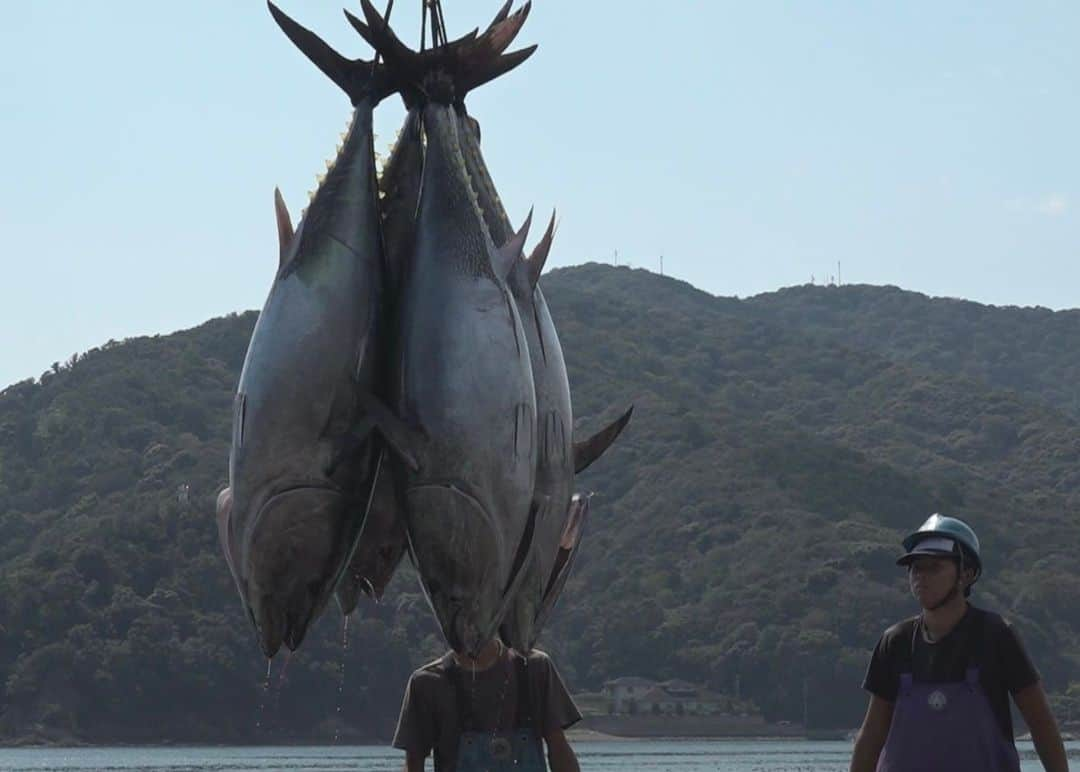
[
  {"x": 744, "y": 527},
  {"x": 1031, "y": 350}
]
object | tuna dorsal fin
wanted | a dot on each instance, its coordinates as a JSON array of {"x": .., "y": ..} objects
[
  {"x": 510, "y": 252},
  {"x": 539, "y": 256},
  {"x": 589, "y": 450},
  {"x": 284, "y": 227}
]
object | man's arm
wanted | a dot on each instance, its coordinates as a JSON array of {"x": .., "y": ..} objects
[
  {"x": 872, "y": 735},
  {"x": 414, "y": 761},
  {"x": 1035, "y": 709},
  {"x": 561, "y": 757}
]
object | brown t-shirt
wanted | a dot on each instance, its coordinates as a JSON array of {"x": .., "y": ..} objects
[{"x": 429, "y": 713}]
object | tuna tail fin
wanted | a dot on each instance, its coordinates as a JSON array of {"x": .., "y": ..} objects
[
  {"x": 539, "y": 256},
  {"x": 589, "y": 450},
  {"x": 510, "y": 252},
  {"x": 365, "y": 31},
  {"x": 284, "y": 227},
  {"x": 501, "y": 15},
  {"x": 468, "y": 62},
  {"x": 359, "y": 79}
]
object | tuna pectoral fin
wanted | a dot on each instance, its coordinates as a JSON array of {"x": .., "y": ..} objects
[
  {"x": 401, "y": 438},
  {"x": 510, "y": 252},
  {"x": 589, "y": 450},
  {"x": 568, "y": 550},
  {"x": 354, "y": 441},
  {"x": 568, "y": 541}
]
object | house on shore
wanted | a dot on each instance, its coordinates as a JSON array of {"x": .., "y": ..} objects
[{"x": 631, "y": 695}]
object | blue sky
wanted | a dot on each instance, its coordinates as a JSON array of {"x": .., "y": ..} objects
[{"x": 754, "y": 145}]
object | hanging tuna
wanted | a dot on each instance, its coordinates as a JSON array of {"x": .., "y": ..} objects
[
  {"x": 462, "y": 374},
  {"x": 303, "y": 459},
  {"x": 555, "y": 455},
  {"x": 404, "y": 387}
]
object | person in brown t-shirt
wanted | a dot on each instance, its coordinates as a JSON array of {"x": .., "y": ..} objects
[{"x": 456, "y": 696}]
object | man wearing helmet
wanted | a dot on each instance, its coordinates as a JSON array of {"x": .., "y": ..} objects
[{"x": 940, "y": 682}]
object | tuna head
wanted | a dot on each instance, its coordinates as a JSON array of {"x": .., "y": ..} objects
[
  {"x": 303, "y": 451},
  {"x": 566, "y": 552},
  {"x": 457, "y": 544},
  {"x": 294, "y": 555}
]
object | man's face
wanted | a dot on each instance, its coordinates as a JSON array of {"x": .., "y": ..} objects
[{"x": 931, "y": 578}]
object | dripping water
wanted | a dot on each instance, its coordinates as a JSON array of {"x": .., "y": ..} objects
[
  {"x": 282, "y": 680},
  {"x": 341, "y": 678},
  {"x": 262, "y": 697}
]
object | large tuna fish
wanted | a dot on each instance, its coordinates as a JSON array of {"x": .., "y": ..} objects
[
  {"x": 556, "y": 462},
  {"x": 383, "y": 541},
  {"x": 462, "y": 374},
  {"x": 303, "y": 457}
]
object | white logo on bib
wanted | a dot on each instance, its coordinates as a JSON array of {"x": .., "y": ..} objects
[
  {"x": 500, "y": 749},
  {"x": 937, "y": 700}
]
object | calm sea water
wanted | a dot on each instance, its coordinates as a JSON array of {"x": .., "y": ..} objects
[{"x": 646, "y": 755}]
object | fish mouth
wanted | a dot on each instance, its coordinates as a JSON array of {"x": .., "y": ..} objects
[
  {"x": 459, "y": 553},
  {"x": 455, "y": 487},
  {"x": 283, "y": 490},
  {"x": 463, "y": 636}
]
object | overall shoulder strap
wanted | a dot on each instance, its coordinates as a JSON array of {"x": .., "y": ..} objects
[
  {"x": 912, "y": 641},
  {"x": 464, "y": 708},
  {"x": 524, "y": 693}
]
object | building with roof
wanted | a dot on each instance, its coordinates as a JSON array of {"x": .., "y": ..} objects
[{"x": 633, "y": 695}]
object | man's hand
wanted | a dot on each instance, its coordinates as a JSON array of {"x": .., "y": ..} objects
[
  {"x": 561, "y": 757},
  {"x": 872, "y": 735},
  {"x": 414, "y": 761}
]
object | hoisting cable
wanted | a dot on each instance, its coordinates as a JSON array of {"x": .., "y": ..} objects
[
  {"x": 423, "y": 24},
  {"x": 386, "y": 27},
  {"x": 438, "y": 23}
]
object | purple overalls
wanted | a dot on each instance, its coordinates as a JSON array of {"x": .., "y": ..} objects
[{"x": 945, "y": 727}]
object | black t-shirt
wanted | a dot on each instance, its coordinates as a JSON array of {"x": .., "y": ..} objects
[
  {"x": 981, "y": 638},
  {"x": 429, "y": 713}
]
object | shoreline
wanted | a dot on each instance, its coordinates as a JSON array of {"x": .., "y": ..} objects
[{"x": 583, "y": 735}]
